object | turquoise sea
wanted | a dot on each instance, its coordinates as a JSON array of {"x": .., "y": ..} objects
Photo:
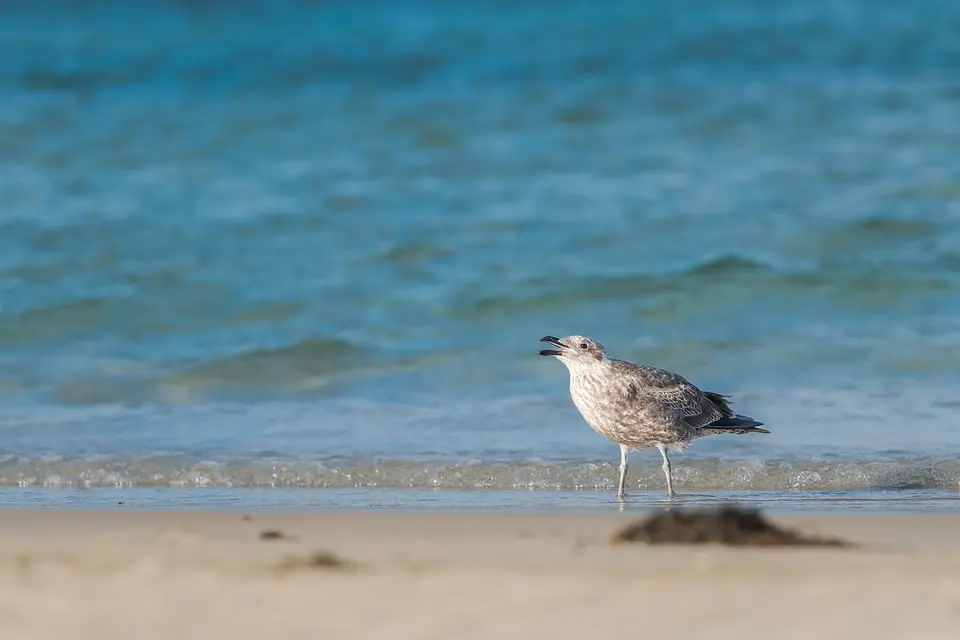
[{"x": 299, "y": 254}]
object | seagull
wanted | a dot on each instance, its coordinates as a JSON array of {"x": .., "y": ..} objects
[{"x": 639, "y": 406}]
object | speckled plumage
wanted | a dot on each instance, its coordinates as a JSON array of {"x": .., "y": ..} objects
[{"x": 639, "y": 406}]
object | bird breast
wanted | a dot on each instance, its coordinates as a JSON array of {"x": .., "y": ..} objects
[{"x": 598, "y": 401}]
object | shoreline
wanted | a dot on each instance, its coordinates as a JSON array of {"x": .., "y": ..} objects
[
  {"x": 389, "y": 500},
  {"x": 150, "y": 573}
]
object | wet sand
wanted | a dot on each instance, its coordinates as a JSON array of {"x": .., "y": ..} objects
[{"x": 164, "y": 574}]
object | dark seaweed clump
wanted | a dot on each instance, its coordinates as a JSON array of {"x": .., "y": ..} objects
[{"x": 728, "y": 525}]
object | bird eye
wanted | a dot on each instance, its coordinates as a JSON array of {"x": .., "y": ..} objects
[{"x": 583, "y": 345}]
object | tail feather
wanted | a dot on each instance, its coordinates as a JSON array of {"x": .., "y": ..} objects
[{"x": 738, "y": 425}]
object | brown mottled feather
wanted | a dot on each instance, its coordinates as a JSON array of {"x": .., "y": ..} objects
[{"x": 640, "y": 405}]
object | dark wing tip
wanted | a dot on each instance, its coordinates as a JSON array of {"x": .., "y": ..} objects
[{"x": 720, "y": 402}]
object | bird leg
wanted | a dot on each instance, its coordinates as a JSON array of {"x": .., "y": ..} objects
[
  {"x": 623, "y": 471},
  {"x": 667, "y": 471}
]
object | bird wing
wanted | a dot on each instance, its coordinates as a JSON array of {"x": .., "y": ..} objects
[{"x": 680, "y": 397}]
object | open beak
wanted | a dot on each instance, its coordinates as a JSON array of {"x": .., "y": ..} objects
[{"x": 555, "y": 342}]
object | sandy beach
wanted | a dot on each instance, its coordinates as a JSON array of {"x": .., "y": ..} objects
[{"x": 191, "y": 574}]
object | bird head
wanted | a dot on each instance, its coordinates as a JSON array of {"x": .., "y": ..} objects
[{"x": 574, "y": 349}]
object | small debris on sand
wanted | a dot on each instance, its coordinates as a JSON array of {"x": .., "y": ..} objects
[
  {"x": 274, "y": 534},
  {"x": 23, "y": 562},
  {"x": 316, "y": 560},
  {"x": 729, "y": 525}
]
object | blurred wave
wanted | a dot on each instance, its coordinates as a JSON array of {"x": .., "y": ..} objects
[{"x": 708, "y": 474}]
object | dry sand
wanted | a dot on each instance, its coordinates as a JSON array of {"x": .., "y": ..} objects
[{"x": 182, "y": 575}]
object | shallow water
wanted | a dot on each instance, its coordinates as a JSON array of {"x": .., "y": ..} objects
[
  {"x": 455, "y": 501},
  {"x": 314, "y": 244}
]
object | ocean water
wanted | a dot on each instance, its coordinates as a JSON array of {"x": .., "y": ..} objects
[{"x": 301, "y": 253}]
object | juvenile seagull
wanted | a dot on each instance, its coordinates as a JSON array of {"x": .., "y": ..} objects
[{"x": 637, "y": 406}]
